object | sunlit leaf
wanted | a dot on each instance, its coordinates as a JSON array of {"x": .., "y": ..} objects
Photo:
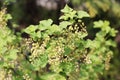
[
  {"x": 82, "y": 14},
  {"x": 66, "y": 9},
  {"x": 64, "y": 24},
  {"x": 44, "y": 24}
]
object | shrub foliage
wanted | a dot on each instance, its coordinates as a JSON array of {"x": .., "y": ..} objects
[{"x": 55, "y": 52}]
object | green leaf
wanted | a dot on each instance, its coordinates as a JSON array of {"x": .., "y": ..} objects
[
  {"x": 4, "y": 49},
  {"x": 30, "y": 29},
  {"x": 100, "y": 35},
  {"x": 67, "y": 50},
  {"x": 68, "y": 16},
  {"x": 54, "y": 28},
  {"x": 66, "y": 9},
  {"x": 106, "y": 26},
  {"x": 106, "y": 23},
  {"x": 45, "y": 24},
  {"x": 82, "y": 14},
  {"x": 98, "y": 24},
  {"x": 88, "y": 43},
  {"x": 95, "y": 59},
  {"x": 40, "y": 62},
  {"x": 67, "y": 67},
  {"x": 82, "y": 34},
  {"x": 12, "y": 54},
  {"x": 110, "y": 43},
  {"x": 64, "y": 24},
  {"x": 43, "y": 60},
  {"x": 72, "y": 14},
  {"x": 44, "y": 35},
  {"x": 113, "y": 32},
  {"x": 38, "y": 34},
  {"x": 8, "y": 16},
  {"x": 92, "y": 44}
]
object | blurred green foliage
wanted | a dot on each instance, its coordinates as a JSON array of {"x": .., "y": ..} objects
[
  {"x": 24, "y": 15},
  {"x": 101, "y": 9},
  {"x": 106, "y": 10},
  {"x": 56, "y": 52}
]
